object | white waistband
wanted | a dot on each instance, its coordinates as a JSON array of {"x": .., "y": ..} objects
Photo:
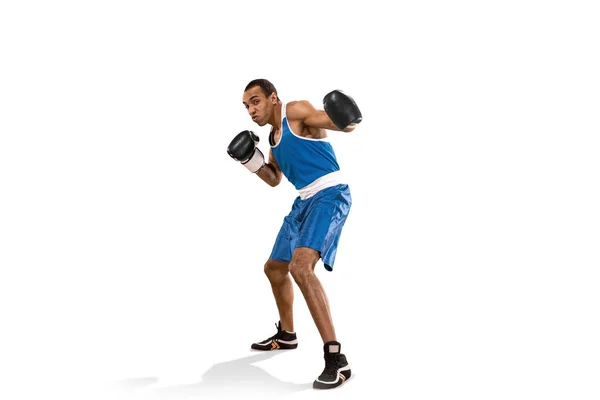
[{"x": 331, "y": 179}]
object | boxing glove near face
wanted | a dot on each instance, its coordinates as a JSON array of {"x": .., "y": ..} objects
[
  {"x": 341, "y": 109},
  {"x": 243, "y": 149}
]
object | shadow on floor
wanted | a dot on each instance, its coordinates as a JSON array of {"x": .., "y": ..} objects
[{"x": 239, "y": 376}]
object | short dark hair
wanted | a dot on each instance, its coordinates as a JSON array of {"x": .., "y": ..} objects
[{"x": 266, "y": 87}]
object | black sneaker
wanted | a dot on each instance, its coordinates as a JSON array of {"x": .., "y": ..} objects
[
  {"x": 336, "y": 371},
  {"x": 282, "y": 340}
]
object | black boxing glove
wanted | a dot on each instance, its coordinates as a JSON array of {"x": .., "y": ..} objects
[
  {"x": 341, "y": 109},
  {"x": 243, "y": 149}
]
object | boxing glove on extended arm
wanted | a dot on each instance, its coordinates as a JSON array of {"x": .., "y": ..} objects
[
  {"x": 341, "y": 109},
  {"x": 243, "y": 149}
]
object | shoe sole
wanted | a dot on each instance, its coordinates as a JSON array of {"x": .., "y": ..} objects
[
  {"x": 343, "y": 376},
  {"x": 274, "y": 345}
]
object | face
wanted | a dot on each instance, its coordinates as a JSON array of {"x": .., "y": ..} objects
[{"x": 259, "y": 106}]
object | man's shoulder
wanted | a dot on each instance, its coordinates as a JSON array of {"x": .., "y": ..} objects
[
  {"x": 294, "y": 104},
  {"x": 298, "y": 109}
]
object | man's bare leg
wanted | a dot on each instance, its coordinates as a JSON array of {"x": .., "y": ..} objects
[
  {"x": 281, "y": 283},
  {"x": 302, "y": 268}
]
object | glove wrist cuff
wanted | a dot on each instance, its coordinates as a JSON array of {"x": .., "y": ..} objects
[{"x": 256, "y": 162}]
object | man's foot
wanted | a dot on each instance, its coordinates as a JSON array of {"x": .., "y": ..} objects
[
  {"x": 337, "y": 369},
  {"x": 282, "y": 340}
]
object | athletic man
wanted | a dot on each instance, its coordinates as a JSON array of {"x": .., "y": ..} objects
[{"x": 301, "y": 151}]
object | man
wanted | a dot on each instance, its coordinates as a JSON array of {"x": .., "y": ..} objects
[{"x": 300, "y": 151}]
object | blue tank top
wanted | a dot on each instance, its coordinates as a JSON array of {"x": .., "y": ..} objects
[{"x": 302, "y": 160}]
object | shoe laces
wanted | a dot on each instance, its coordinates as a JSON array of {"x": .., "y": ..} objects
[
  {"x": 278, "y": 334},
  {"x": 331, "y": 364}
]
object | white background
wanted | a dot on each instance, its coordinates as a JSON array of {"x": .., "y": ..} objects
[{"x": 132, "y": 246}]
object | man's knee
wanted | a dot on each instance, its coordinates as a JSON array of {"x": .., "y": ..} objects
[
  {"x": 300, "y": 271},
  {"x": 276, "y": 269},
  {"x": 303, "y": 263}
]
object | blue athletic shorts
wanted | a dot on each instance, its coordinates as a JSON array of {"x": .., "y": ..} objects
[{"x": 317, "y": 223}]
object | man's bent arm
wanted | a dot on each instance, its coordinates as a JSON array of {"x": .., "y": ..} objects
[{"x": 270, "y": 172}]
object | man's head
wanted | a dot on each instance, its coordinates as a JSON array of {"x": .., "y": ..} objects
[{"x": 260, "y": 98}]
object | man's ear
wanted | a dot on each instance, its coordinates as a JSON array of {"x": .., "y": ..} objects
[{"x": 273, "y": 98}]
